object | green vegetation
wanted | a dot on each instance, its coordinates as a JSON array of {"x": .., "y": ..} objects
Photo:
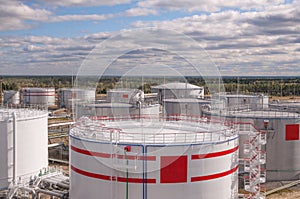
[{"x": 274, "y": 86}]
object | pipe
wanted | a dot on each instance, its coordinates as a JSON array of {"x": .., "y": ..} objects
[
  {"x": 14, "y": 147},
  {"x": 51, "y": 193},
  {"x": 32, "y": 191},
  {"x": 140, "y": 108}
]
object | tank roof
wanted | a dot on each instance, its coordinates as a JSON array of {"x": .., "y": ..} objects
[
  {"x": 177, "y": 85},
  {"x": 149, "y": 131},
  {"x": 21, "y": 113}
]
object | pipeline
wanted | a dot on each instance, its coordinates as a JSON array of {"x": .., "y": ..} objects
[{"x": 52, "y": 193}]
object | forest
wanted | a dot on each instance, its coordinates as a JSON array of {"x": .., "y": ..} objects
[{"x": 272, "y": 86}]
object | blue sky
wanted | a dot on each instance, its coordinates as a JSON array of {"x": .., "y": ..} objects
[{"x": 243, "y": 37}]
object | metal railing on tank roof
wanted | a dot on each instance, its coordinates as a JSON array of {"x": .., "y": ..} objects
[{"x": 95, "y": 129}]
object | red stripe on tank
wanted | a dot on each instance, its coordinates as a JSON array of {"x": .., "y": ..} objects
[
  {"x": 214, "y": 176},
  {"x": 215, "y": 154},
  {"x": 107, "y": 155}
]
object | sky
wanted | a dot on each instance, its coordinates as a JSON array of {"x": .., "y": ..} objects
[{"x": 242, "y": 37}]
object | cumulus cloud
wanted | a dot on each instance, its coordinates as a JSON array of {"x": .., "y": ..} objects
[
  {"x": 253, "y": 42},
  {"x": 86, "y": 3},
  {"x": 93, "y": 17},
  {"x": 14, "y": 13},
  {"x": 134, "y": 12},
  {"x": 207, "y": 6}
]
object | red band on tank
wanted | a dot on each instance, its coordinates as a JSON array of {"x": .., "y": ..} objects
[
  {"x": 216, "y": 154},
  {"x": 90, "y": 153},
  {"x": 112, "y": 178},
  {"x": 214, "y": 176},
  {"x": 89, "y": 174},
  {"x": 107, "y": 155}
]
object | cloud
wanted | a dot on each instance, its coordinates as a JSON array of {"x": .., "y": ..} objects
[
  {"x": 13, "y": 15},
  {"x": 84, "y": 3},
  {"x": 207, "y": 6},
  {"x": 134, "y": 12},
  {"x": 93, "y": 17}
]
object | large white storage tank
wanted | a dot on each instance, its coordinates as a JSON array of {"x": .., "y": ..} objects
[
  {"x": 38, "y": 96},
  {"x": 68, "y": 96},
  {"x": 23, "y": 144},
  {"x": 283, "y": 140},
  {"x": 11, "y": 97},
  {"x": 115, "y": 158}
]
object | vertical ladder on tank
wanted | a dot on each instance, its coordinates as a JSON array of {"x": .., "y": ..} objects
[{"x": 255, "y": 173}]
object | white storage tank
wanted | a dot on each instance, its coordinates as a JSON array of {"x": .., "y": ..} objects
[
  {"x": 247, "y": 101},
  {"x": 286, "y": 106},
  {"x": 69, "y": 96},
  {"x": 175, "y": 90},
  {"x": 23, "y": 144},
  {"x": 139, "y": 159},
  {"x": 283, "y": 140},
  {"x": 11, "y": 97},
  {"x": 124, "y": 95},
  {"x": 189, "y": 106},
  {"x": 38, "y": 96},
  {"x": 119, "y": 109}
]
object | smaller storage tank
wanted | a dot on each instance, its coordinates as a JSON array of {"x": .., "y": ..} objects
[
  {"x": 38, "y": 96},
  {"x": 119, "y": 109},
  {"x": 189, "y": 106},
  {"x": 247, "y": 101},
  {"x": 286, "y": 106},
  {"x": 125, "y": 95},
  {"x": 68, "y": 96},
  {"x": 11, "y": 97},
  {"x": 177, "y": 90},
  {"x": 23, "y": 144},
  {"x": 283, "y": 139}
]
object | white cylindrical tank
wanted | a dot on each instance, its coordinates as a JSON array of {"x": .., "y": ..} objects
[
  {"x": 124, "y": 95},
  {"x": 118, "y": 110},
  {"x": 39, "y": 96},
  {"x": 141, "y": 159},
  {"x": 240, "y": 100},
  {"x": 286, "y": 106},
  {"x": 68, "y": 96},
  {"x": 283, "y": 140},
  {"x": 188, "y": 106},
  {"x": 30, "y": 152},
  {"x": 11, "y": 97}
]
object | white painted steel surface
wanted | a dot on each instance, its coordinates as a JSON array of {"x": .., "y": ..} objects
[
  {"x": 283, "y": 156},
  {"x": 38, "y": 96},
  {"x": 68, "y": 96},
  {"x": 202, "y": 159},
  {"x": 240, "y": 100},
  {"x": 177, "y": 90},
  {"x": 125, "y": 95},
  {"x": 189, "y": 106},
  {"x": 118, "y": 109},
  {"x": 31, "y": 144},
  {"x": 11, "y": 97}
]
